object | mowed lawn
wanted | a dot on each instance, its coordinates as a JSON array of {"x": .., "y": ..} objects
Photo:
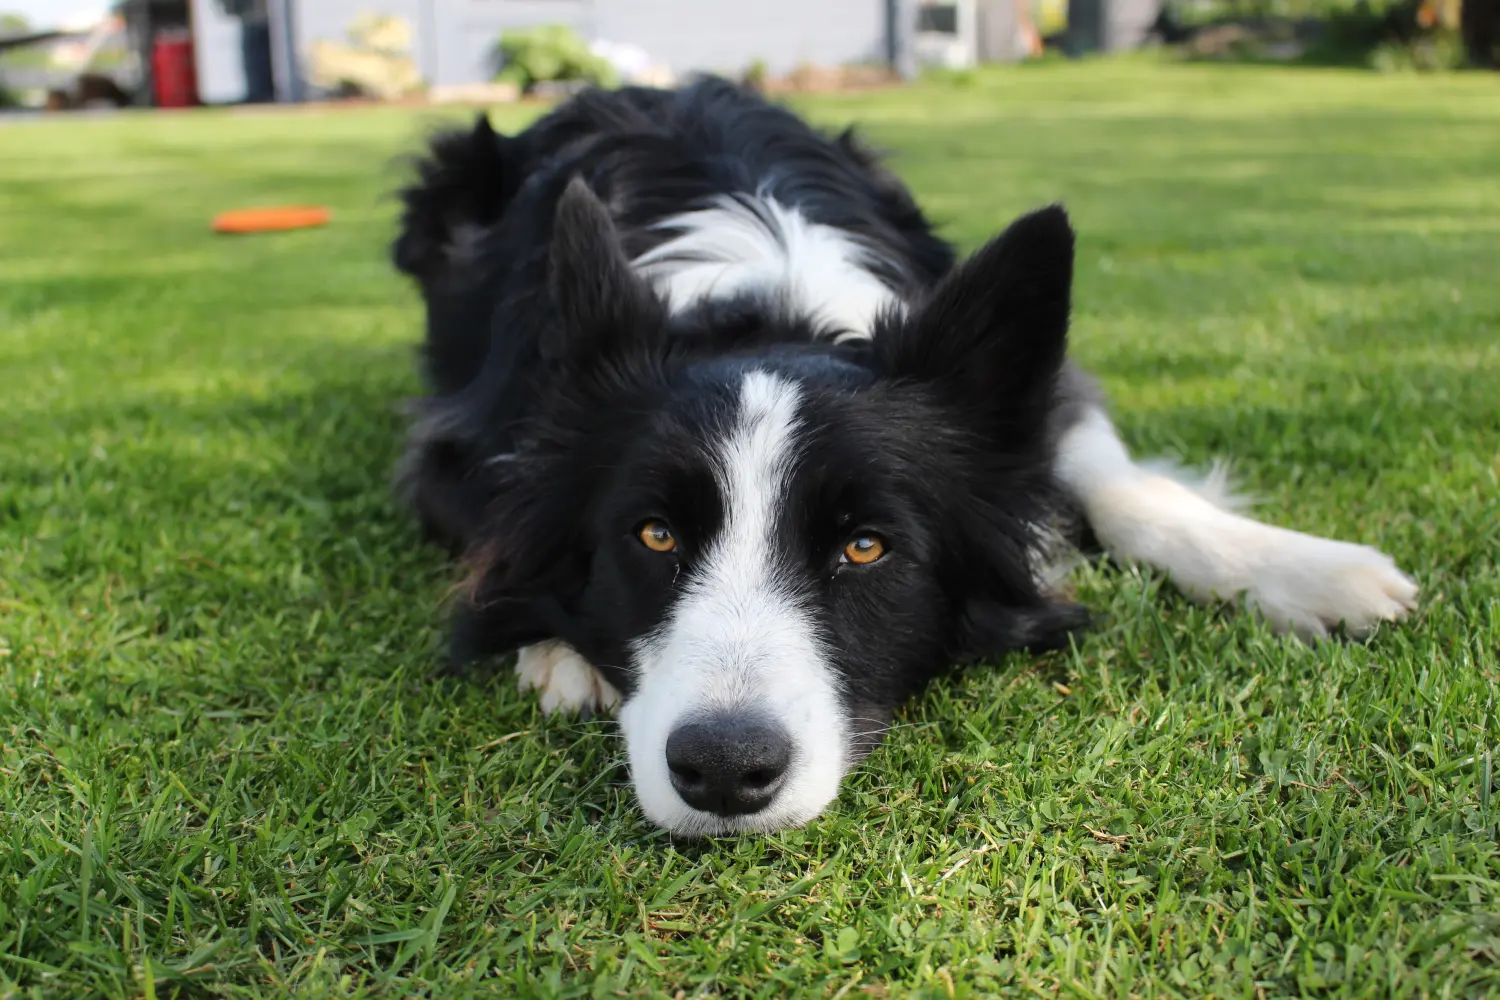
[{"x": 223, "y": 771}]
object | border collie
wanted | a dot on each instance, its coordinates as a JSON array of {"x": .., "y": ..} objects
[{"x": 733, "y": 445}]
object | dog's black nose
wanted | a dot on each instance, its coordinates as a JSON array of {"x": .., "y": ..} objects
[{"x": 726, "y": 765}]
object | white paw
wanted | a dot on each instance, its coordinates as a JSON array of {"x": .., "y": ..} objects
[
  {"x": 565, "y": 680},
  {"x": 1310, "y": 585}
]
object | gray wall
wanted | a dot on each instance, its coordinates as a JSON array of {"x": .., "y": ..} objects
[
  {"x": 997, "y": 31},
  {"x": 727, "y": 35},
  {"x": 455, "y": 38},
  {"x": 1110, "y": 25}
]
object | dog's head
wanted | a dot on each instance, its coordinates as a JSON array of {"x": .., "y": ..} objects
[{"x": 768, "y": 552}]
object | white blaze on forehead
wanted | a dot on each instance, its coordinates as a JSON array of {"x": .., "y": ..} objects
[
  {"x": 756, "y": 244},
  {"x": 739, "y": 638}
]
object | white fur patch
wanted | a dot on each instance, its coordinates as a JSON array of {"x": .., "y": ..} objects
[
  {"x": 1300, "y": 583},
  {"x": 742, "y": 244},
  {"x": 564, "y": 679},
  {"x": 739, "y": 640},
  {"x": 1213, "y": 485}
]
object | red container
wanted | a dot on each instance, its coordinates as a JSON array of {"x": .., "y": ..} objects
[{"x": 174, "y": 78}]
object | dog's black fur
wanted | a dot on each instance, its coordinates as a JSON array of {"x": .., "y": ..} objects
[
  {"x": 569, "y": 404},
  {"x": 543, "y": 347},
  {"x": 665, "y": 487}
]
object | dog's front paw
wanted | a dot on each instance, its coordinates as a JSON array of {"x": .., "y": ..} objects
[
  {"x": 564, "y": 679},
  {"x": 1310, "y": 585}
]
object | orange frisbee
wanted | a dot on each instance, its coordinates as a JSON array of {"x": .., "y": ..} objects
[{"x": 267, "y": 220}]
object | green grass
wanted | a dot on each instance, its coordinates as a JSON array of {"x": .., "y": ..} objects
[{"x": 222, "y": 772}]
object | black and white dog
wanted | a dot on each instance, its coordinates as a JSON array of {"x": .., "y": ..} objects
[{"x": 733, "y": 445}]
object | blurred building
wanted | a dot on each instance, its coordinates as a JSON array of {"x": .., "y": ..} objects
[
  {"x": 453, "y": 41},
  {"x": 230, "y": 51}
]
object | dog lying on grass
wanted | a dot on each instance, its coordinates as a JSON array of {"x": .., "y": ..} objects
[{"x": 733, "y": 444}]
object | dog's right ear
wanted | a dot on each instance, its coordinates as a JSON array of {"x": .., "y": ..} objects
[{"x": 604, "y": 307}]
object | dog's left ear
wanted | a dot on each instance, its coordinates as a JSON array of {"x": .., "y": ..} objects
[
  {"x": 993, "y": 334},
  {"x": 604, "y": 308}
]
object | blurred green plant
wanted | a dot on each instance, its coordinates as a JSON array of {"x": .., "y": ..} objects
[
  {"x": 1437, "y": 52},
  {"x": 1051, "y": 16},
  {"x": 756, "y": 75},
  {"x": 1217, "y": 11},
  {"x": 1389, "y": 37},
  {"x": 550, "y": 53},
  {"x": 1385, "y": 35},
  {"x": 963, "y": 76}
]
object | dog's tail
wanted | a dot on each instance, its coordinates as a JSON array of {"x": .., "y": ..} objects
[{"x": 462, "y": 186}]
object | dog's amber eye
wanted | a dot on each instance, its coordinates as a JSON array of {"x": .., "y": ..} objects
[
  {"x": 864, "y": 550},
  {"x": 657, "y": 537}
]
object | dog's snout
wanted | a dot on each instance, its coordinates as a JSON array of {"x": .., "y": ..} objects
[{"x": 728, "y": 766}]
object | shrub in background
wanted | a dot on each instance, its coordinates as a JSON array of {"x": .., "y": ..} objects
[
  {"x": 551, "y": 53},
  {"x": 1386, "y": 35},
  {"x": 375, "y": 60}
]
